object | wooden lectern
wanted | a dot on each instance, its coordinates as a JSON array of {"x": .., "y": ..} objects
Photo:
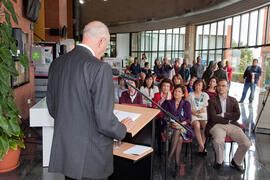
[{"x": 132, "y": 166}]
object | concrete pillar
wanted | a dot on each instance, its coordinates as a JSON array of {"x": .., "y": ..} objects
[{"x": 190, "y": 43}]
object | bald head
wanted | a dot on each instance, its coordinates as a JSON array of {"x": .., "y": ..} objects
[
  {"x": 96, "y": 29},
  {"x": 96, "y": 35}
]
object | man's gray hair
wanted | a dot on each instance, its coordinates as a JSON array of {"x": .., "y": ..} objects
[{"x": 96, "y": 29}]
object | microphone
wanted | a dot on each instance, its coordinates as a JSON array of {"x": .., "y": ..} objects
[{"x": 127, "y": 77}]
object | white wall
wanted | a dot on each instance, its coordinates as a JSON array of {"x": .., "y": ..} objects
[{"x": 122, "y": 45}]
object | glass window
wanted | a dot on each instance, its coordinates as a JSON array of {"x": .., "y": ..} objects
[
  {"x": 235, "y": 31},
  {"x": 176, "y": 31},
  {"x": 213, "y": 30},
  {"x": 175, "y": 42},
  {"x": 206, "y": 31},
  {"x": 220, "y": 30},
  {"x": 253, "y": 28},
  {"x": 155, "y": 42},
  {"x": 148, "y": 38},
  {"x": 182, "y": 42},
  {"x": 142, "y": 41},
  {"x": 199, "y": 37},
  {"x": 169, "y": 42},
  {"x": 244, "y": 29},
  {"x": 227, "y": 33},
  {"x": 261, "y": 25},
  {"x": 161, "y": 42},
  {"x": 134, "y": 42}
]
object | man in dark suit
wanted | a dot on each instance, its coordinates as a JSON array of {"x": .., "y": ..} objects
[
  {"x": 223, "y": 112},
  {"x": 80, "y": 99}
]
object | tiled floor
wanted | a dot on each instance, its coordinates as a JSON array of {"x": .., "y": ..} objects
[{"x": 257, "y": 158}]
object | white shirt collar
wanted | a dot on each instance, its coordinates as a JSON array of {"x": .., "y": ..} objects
[{"x": 87, "y": 47}]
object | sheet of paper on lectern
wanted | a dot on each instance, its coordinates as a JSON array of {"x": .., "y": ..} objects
[
  {"x": 122, "y": 115},
  {"x": 137, "y": 150}
]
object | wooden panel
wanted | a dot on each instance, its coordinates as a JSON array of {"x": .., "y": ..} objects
[
  {"x": 124, "y": 146},
  {"x": 147, "y": 114}
]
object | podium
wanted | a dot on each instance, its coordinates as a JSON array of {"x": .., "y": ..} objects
[{"x": 134, "y": 167}]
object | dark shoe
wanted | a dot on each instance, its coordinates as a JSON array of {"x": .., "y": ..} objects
[
  {"x": 240, "y": 101},
  {"x": 217, "y": 166},
  {"x": 250, "y": 102},
  {"x": 202, "y": 154},
  {"x": 176, "y": 170},
  {"x": 235, "y": 166}
]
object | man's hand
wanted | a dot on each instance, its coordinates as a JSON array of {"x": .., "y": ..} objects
[
  {"x": 128, "y": 123},
  {"x": 218, "y": 115}
]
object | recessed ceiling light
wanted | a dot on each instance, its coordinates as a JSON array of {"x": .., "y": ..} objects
[
  {"x": 105, "y": 0},
  {"x": 81, "y": 1}
]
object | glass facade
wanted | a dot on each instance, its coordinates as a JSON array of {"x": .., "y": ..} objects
[
  {"x": 166, "y": 43},
  {"x": 239, "y": 39}
]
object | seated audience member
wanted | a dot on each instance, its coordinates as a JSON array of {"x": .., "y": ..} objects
[
  {"x": 149, "y": 89},
  {"x": 159, "y": 98},
  {"x": 199, "y": 102},
  {"x": 223, "y": 112},
  {"x": 131, "y": 96},
  {"x": 146, "y": 68},
  {"x": 190, "y": 84},
  {"x": 184, "y": 72},
  {"x": 212, "y": 87},
  {"x": 177, "y": 79},
  {"x": 121, "y": 87},
  {"x": 142, "y": 78},
  {"x": 160, "y": 79},
  {"x": 180, "y": 108},
  {"x": 135, "y": 68}
]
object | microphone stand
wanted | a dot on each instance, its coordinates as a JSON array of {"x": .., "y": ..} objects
[{"x": 169, "y": 116}]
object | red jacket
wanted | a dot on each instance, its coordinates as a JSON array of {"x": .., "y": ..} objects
[
  {"x": 156, "y": 99},
  {"x": 229, "y": 70}
]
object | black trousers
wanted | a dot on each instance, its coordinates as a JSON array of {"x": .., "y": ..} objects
[{"x": 68, "y": 178}]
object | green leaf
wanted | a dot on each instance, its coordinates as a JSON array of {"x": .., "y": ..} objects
[
  {"x": 8, "y": 4},
  {"x": 13, "y": 106},
  {"x": 7, "y": 16},
  {"x": 6, "y": 56},
  {"x": 13, "y": 144},
  {"x": 14, "y": 126},
  {"x": 4, "y": 125},
  {"x": 11, "y": 69},
  {"x": 24, "y": 60},
  {"x": 4, "y": 146}
]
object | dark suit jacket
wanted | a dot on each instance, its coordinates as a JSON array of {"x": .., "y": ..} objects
[
  {"x": 221, "y": 74},
  {"x": 214, "y": 108},
  {"x": 80, "y": 99}
]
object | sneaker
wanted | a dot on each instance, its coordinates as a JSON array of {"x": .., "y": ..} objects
[
  {"x": 240, "y": 101},
  {"x": 235, "y": 166},
  {"x": 250, "y": 102}
]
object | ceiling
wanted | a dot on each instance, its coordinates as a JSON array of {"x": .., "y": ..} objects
[{"x": 137, "y": 15}]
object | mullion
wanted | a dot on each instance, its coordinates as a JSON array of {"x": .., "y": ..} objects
[
  {"x": 240, "y": 28},
  {"x": 258, "y": 20},
  {"x": 267, "y": 25},
  {"x": 248, "y": 28}
]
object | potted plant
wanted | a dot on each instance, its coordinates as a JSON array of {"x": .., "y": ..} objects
[{"x": 11, "y": 135}]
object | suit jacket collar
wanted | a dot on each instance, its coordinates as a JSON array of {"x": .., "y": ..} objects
[{"x": 87, "y": 48}]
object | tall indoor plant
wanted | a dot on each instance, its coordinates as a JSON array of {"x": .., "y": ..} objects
[{"x": 11, "y": 135}]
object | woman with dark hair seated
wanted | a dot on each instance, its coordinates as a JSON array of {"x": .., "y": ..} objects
[
  {"x": 180, "y": 108},
  {"x": 131, "y": 96},
  {"x": 149, "y": 89},
  {"x": 159, "y": 98},
  {"x": 190, "y": 84},
  {"x": 199, "y": 102},
  {"x": 211, "y": 88},
  {"x": 177, "y": 79}
]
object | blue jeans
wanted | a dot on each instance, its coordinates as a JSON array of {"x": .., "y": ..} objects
[{"x": 252, "y": 87}]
